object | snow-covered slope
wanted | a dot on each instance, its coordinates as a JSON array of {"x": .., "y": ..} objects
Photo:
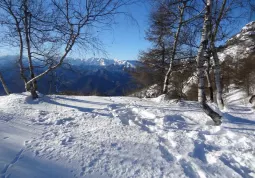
[
  {"x": 74, "y": 136},
  {"x": 240, "y": 45}
]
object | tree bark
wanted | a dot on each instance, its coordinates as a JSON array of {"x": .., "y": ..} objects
[
  {"x": 20, "y": 59},
  {"x": 200, "y": 66},
  {"x": 252, "y": 99},
  {"x": 201, "y": 55},
  {"x": 217, "y": 75},
  {"x": 163, "y": 58},
  {"x": 208, "y": 76},
  {"x": 4, "y": 84},
  {"x": 209, "y": 84},
  {"x": 168, "y": 73},
  {"x": 214, "y": 115}
]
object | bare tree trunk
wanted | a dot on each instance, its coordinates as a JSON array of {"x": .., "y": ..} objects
[
  {"x": 168, "y": 73},
  {"x": 252, "y": 99},
  {"x": 208, "y": 76},
  {"x": 217, "y": 72},
  {"x": 214, "y": 115},
  {"x": 201, "y": 56},
  {"x": 200, "y": 66},
  {"x": 4, "y": 84},
  {"x": 27, "y": 26},
  {"x": 20, "y": 59},
  {"x": 163, "y": 59},
  {"x": 209, "y": 84}
]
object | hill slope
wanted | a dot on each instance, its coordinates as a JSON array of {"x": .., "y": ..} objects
[
  {"x": 240, "y": 45},
  {"x": 72, "y": 136}
]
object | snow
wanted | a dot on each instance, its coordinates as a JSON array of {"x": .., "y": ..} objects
[
  {"x": 248, "y": 27},
  {"x": 90, "y": 136},
  {"x": 100, "y": 62},
  {"x": 240, "y": 45}
]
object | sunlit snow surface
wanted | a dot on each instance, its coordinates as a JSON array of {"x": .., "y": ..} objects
[{"x": 71, "y": 136}]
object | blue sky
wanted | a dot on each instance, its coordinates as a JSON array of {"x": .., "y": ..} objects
[{"x": 127, "y": 37}]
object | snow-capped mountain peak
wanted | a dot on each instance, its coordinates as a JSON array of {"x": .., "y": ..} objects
[{"x": 101, "y": 62}]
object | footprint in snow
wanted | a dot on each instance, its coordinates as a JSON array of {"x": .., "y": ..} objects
[
  {"x": 64, "y": 120},
  {"x": 43, "y": 113},
  {"x": 188, "y": 169}
]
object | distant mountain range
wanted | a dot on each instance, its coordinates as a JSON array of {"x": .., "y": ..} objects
[
  {"x": 98, "y": 76},
  {"x": 102, "y": 62}
]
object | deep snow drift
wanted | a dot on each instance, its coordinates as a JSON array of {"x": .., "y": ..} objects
[{"x": 71, "y": 136}]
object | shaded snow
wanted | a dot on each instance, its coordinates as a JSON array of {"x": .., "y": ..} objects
[{"x": 76, "y": 136}]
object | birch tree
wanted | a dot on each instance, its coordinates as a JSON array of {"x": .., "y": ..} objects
[
  {"x": 201, "y": 54},
  {"x": 208, "y": 75},
  {"x": 216, "y": 63},
  {"x": 200, "y": 65}
]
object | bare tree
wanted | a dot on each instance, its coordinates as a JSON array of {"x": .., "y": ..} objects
[
  {"x": 51, "y": 29},
  {"x": 223, "y": 11},
  {"x": 159, "y": 34},
  {"x": 12, "y": 20},
  {"x": 27, "y": 19},
  {"x": 201, "y": 54},
  {"x": 188, "y": 12},
  {"x": 200, "y": 65},
  {"x": 176, "y": 40},
  {"x": 213, "y": 33}
]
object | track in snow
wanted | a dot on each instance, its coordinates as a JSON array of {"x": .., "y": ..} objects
[{"x": 5, "y": 172}]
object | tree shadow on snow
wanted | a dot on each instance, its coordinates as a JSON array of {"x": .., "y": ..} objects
[
  {"x": 237, "y": 120},
  {"x": 238, "y": 168},
  {"x": 80, "y": 100},
  {"x": 240, "y": 109},
  {"x": 50, "y": 100}
]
